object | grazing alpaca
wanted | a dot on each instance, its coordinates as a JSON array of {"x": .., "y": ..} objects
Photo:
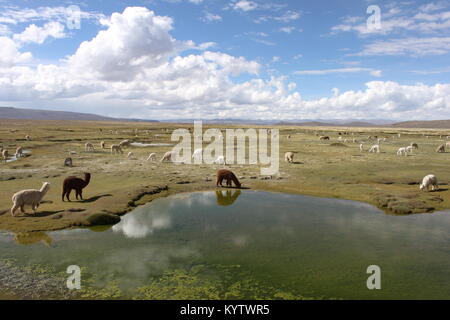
[
  {"x": 102, "y": 145},
  {"x": 197, "y": 155},
  {"x": 89, "y": 147},
  {"x": 375, "y": 148},
  {"x": 169, "y": 156},
  {"x": 289, "y": 157},
  {"x": 19, "y": 152},
  {"x": 77, "y": 184},
  {"x": 116, "y": 149},
  {"x": 152, "y": 157},
  {"x": 441, "y": 148},
  {"x": 125, "y": 144},
  {"x": 220, "y": 160},
  {"x": 228, "y": 176},
  {"x": 30, "y": 197},
  {"x": 429, "y": 180},
  {"x": 401, "y": 151},
  {"x": 5, "y": 154}
]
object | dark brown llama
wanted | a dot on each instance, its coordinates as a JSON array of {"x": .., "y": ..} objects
[
  {"x": 228, "y": 176},
  {"x": 75, "y": 183}
]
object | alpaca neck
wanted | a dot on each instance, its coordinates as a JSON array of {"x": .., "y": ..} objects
[
  {"x": 87, "y": 179},
  {"x": 44, "y": 189}
]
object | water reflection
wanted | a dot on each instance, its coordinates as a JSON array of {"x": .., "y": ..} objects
[
  {"x": 142, "y": 222},
  {"x": 228, "y": 197},
  {"x": 27, "y": 238}
]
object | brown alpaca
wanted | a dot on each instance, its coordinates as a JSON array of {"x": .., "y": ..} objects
[
  {"x": 228, "y": 176},
  {"x": 77, "y": 184}
]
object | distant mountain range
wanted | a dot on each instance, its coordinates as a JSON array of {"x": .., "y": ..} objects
[{"x": 34, "y": 114}]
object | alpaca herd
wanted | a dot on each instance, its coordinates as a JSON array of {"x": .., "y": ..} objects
[{"x": 33, "y": 197}]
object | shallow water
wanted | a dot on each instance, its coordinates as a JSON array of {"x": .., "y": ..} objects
[
  {"x": 140, "y": 144},
  {"x": 12, "y": 158},
  {"x": 234, "y": 244}
]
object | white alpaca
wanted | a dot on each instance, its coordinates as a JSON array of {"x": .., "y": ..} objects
[
  {"x": 19, "y": 152},
  {"x": 361, "y": 147},
  {"x": 220, "y": 160},
  {"x": 89, "y": 147},
  {"x": 102, "y": 145},
  {"x": 152, "y": 157},
  {"x": 116, "y": 149},
  {"x": 375, "y": 148},
  {"x": 401, "y": 151},
  {"x": 447, "y": 144},
  {"x": 125, "y": 144},
  {"x": 289, "y": 157},
  {"x": 5, "y": 154},
  {"x": 429, "y": 180},
  {"x": 169, "y": 156},
  {"x": 197, "y": 155},
  {"x": 130, "y": 154},
  {"x": 30, "y": 197}
]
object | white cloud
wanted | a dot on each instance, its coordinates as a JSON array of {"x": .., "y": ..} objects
[
  {"x": 38, "y": 35},
  {"x": 424, "y": 20},
  {"x": 134, "y": 39},
  {"x": 244, "y": 5},
  {"x": 373, "y": 72},
  {"x": 407, "y": 46},
  {"x": 287, "y": 29},
  {"x": 133, "y": 69},
  {"x": 286, "y": 17},
  {"x": 60, "y": 14},
  {"x": 10, "y": 54},
  {"x": 211, "y": 17}
]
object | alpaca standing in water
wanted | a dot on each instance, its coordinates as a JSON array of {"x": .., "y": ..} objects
[
  {"x": 228, "y": 176},
  {"x": 75, "y": 183}
]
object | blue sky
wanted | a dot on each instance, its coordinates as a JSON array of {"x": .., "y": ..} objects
[{"x": 169, "y": 59}]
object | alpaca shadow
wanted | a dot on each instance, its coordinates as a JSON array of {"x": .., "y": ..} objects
[
  {"x": 41, "y": 214},
  {"x": 297, "y": 162},
  {"x": 440, "y": 190},
  {"x": 93, "y": 199}
]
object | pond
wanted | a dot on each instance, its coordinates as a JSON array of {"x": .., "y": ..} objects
[{"x": 252, "y": 245}]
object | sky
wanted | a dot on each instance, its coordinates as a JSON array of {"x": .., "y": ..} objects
[{"x": 217, "y": 59}]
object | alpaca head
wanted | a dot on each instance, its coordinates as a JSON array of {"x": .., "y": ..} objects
[
  {"x": 45, "y": 187},
  {"x": 87, "y": 176},
  {"x": 422, "y": 186}
]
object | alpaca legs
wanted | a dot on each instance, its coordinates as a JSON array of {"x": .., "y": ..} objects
[
  {"x": 13, "y": 209},
  {"x": 68, "y": 194}
]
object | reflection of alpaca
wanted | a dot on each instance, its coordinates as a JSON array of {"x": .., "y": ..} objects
[
  {"x": 228, "y": 176},
  {"x": 77, "y": 184},
  {"x": 229, "y": 198}
]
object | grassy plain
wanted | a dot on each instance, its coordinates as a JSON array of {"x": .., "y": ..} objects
[{"x": 321, "y": 168}]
